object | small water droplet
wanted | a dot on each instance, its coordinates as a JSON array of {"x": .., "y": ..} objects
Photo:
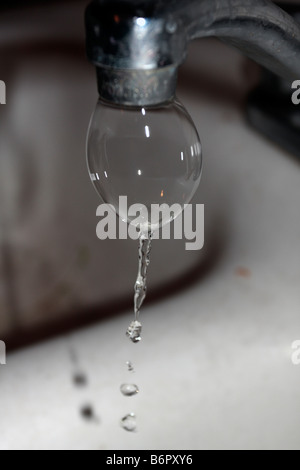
[
  {"x": 129, "y": 390},
  {"x": 134, "y": 331},
  {"x": 129, "y": 422},
  {"x": 130, "y": 366}
]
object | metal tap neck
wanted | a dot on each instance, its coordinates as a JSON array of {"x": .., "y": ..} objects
[{"x": 138, "y": 45}]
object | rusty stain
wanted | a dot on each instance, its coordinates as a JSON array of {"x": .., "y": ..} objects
[
  {"x": 117, "y": 19},
  {"x": 243, "y": 272}
]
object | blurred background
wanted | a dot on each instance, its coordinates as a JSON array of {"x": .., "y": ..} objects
[{"x": 215, "y": 364}]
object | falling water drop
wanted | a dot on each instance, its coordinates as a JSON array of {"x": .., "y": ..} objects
[
  {"x": 129, "y": 422},
  {"x": 129, "y": 390},
  {"x": 134, "y": 331},
  {"x": 135, "y": 328}
]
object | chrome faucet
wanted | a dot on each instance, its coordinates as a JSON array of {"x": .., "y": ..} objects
[{"x": 138, "y": 45}]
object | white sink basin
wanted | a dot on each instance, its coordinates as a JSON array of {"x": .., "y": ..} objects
[{"x": 214, "y": 367}]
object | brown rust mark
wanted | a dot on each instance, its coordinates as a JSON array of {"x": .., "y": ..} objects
[{"x": 243, "y": 272}]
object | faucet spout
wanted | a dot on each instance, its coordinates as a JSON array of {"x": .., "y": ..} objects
[
  {"x": 260, "y": 29},
  {"x": 138, "y": 45}
]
